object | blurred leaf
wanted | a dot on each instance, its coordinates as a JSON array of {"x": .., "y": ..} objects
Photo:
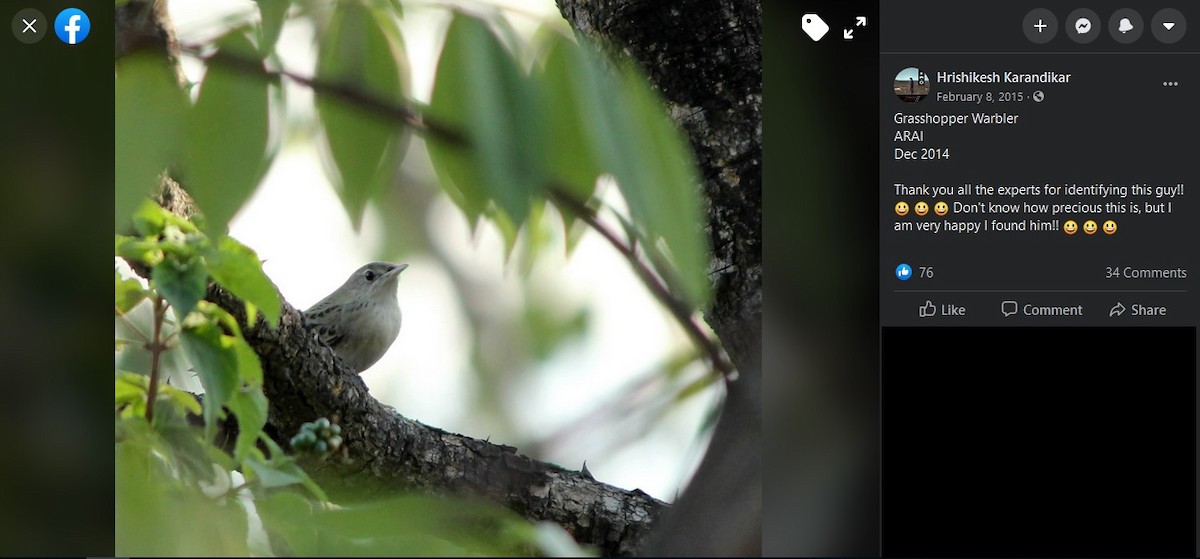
[
  {"x": 249, "y": 405},
  {"x": 480, "y": 91},
  {"x": 149, "y": 117},
  {"x": 280, "y": 459},
  {"x": 696, "y": 386},
  {"x": 228, "y": 130},
  {"x": 274, "y": 13},
  {"x": 662, "y": 186},
  {"x": 416, "y": 525},
  {"x": 509, "y": 231},
  {"x": 625, "y": 125},
  {"x": 280, "y": 471},
  {"x": 238, "y": 268},
  {"x": 216, "y": 362},
  {"x": 151, "y": 220},
  {"x": 158, "y": 517},
  {"x": 553, "y": 541},
  {"x": 289, "y": 516},
  {"x": 131, "y": 393},
  {"x": 536, "y": 237},
  {"x": 249, "y": 366},
  {"x": 550, "y": 324},
  {"x": 181, "y": 283},
  {"x": 129, "y": 293},
  {"x": 405, "y": 526},
  {"x": 572, "y": 161},
  {"x": 361, "y": 52},
  {"x": 397, "y": 7},
  {"x": 185, "y": 400},
  {"x": 139, "y": 250},
  {"x": 183, "y": 445}
]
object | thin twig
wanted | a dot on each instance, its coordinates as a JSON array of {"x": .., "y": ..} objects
[
  {"x": 677, "y": 307},
  {"x": 349, "y": 93},
  {"x": 129, "y": 322},
  {"x": 156, "y": 348}
]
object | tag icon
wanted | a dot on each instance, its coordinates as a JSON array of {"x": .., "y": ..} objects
[{"x": 814, "y": 26}]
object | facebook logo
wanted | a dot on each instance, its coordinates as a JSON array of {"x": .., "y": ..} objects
[{"x": 72, "y": 26}]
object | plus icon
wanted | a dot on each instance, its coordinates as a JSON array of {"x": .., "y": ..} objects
[{"x": 1040, "y": 26}]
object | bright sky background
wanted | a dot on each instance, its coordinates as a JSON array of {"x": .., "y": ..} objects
[{"x": 426, "y": 374}]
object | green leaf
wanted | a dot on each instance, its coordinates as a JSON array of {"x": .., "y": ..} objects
[
  {"x": 663, "y": 191},
  {"x": 152, "y": 220},
  {"x": 275, "y": 475},
  {"x": 249, "y": 366},
  {"x": 695, "y": 387},
  {"x": 228, "y": 132},
  {"x": 186, "y": 401},
  {"x": 360, "y": 52},
  {"x": 149, "y": 117},
  {"x": 573, "y": 163},
  {"x": 139, "y": 250},
  {"x": 274, "y": 13},
  {"x": 249, "y": 405},
  {"x": 216, "y": 361},
  {"x": 182, "y": 283},
  {"x": 130, "y": 393},
  {"x": 291, "y": 517},
  {"x": 238, "y": 268},
  {"x": 625, "y": 126},
  {"x": 480, "y": 91},
  {"x": 129, "y": 293},
  {"x": 157, "y": 516},
  {"x": 280, "y": 459}
]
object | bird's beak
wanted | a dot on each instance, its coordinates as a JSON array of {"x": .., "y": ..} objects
[{"x": 396, "y": 270}]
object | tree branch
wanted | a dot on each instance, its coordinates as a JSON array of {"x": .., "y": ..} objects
[
  {"x": 677, "y": 308},
  {"x": 304, "y": 380}
]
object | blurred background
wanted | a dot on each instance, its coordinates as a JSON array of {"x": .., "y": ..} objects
[{"x": 560, "y": 353}]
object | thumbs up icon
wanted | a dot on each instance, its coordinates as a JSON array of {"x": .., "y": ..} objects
[{"x": 927, "y": 310}]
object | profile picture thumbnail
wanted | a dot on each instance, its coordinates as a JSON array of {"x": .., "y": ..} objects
[{"x": 911, "y": 85}]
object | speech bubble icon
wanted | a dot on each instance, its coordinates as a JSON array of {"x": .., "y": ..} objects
[
  {"x": 1008, "y": 308},
  {"x": 814, "y": 26},
  {"x": 1125, "y": 25}
]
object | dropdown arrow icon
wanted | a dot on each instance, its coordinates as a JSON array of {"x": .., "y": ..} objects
[{"x": 1168, "y": 25}]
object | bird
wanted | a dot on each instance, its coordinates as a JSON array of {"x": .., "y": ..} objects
[{"x": 360, "y": 320}]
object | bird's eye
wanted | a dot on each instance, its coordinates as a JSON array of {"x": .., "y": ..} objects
[{"x": 369, "y": 275}]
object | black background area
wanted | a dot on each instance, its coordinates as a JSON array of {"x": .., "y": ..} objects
[{"x": 1039, "y": 442}]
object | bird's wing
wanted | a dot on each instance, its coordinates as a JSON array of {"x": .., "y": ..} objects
[{"x": 317, "y": 317}]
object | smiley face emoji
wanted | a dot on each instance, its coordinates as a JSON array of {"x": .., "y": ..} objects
[
  {"x": 921, "y": 208},
  {"x": 941, "y": 208},
  {"x": 902, "y": 208},
  {"x": 1110, "y": 227},
  {"x": 1070, "y": 227},
  {"x": 1089, "y": 227}
]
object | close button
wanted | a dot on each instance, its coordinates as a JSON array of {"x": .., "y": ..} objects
[{"x": 29, "y": 26}]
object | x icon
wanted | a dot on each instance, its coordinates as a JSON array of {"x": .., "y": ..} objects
[{"x": 29, "y": 25}]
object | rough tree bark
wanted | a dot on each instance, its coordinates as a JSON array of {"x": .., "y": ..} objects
[
  {"x": 386, "y": 452},
  {"x": 705, "y": 56}
]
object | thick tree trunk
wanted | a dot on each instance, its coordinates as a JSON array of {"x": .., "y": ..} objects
[{"x": 705, "y": 57}]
